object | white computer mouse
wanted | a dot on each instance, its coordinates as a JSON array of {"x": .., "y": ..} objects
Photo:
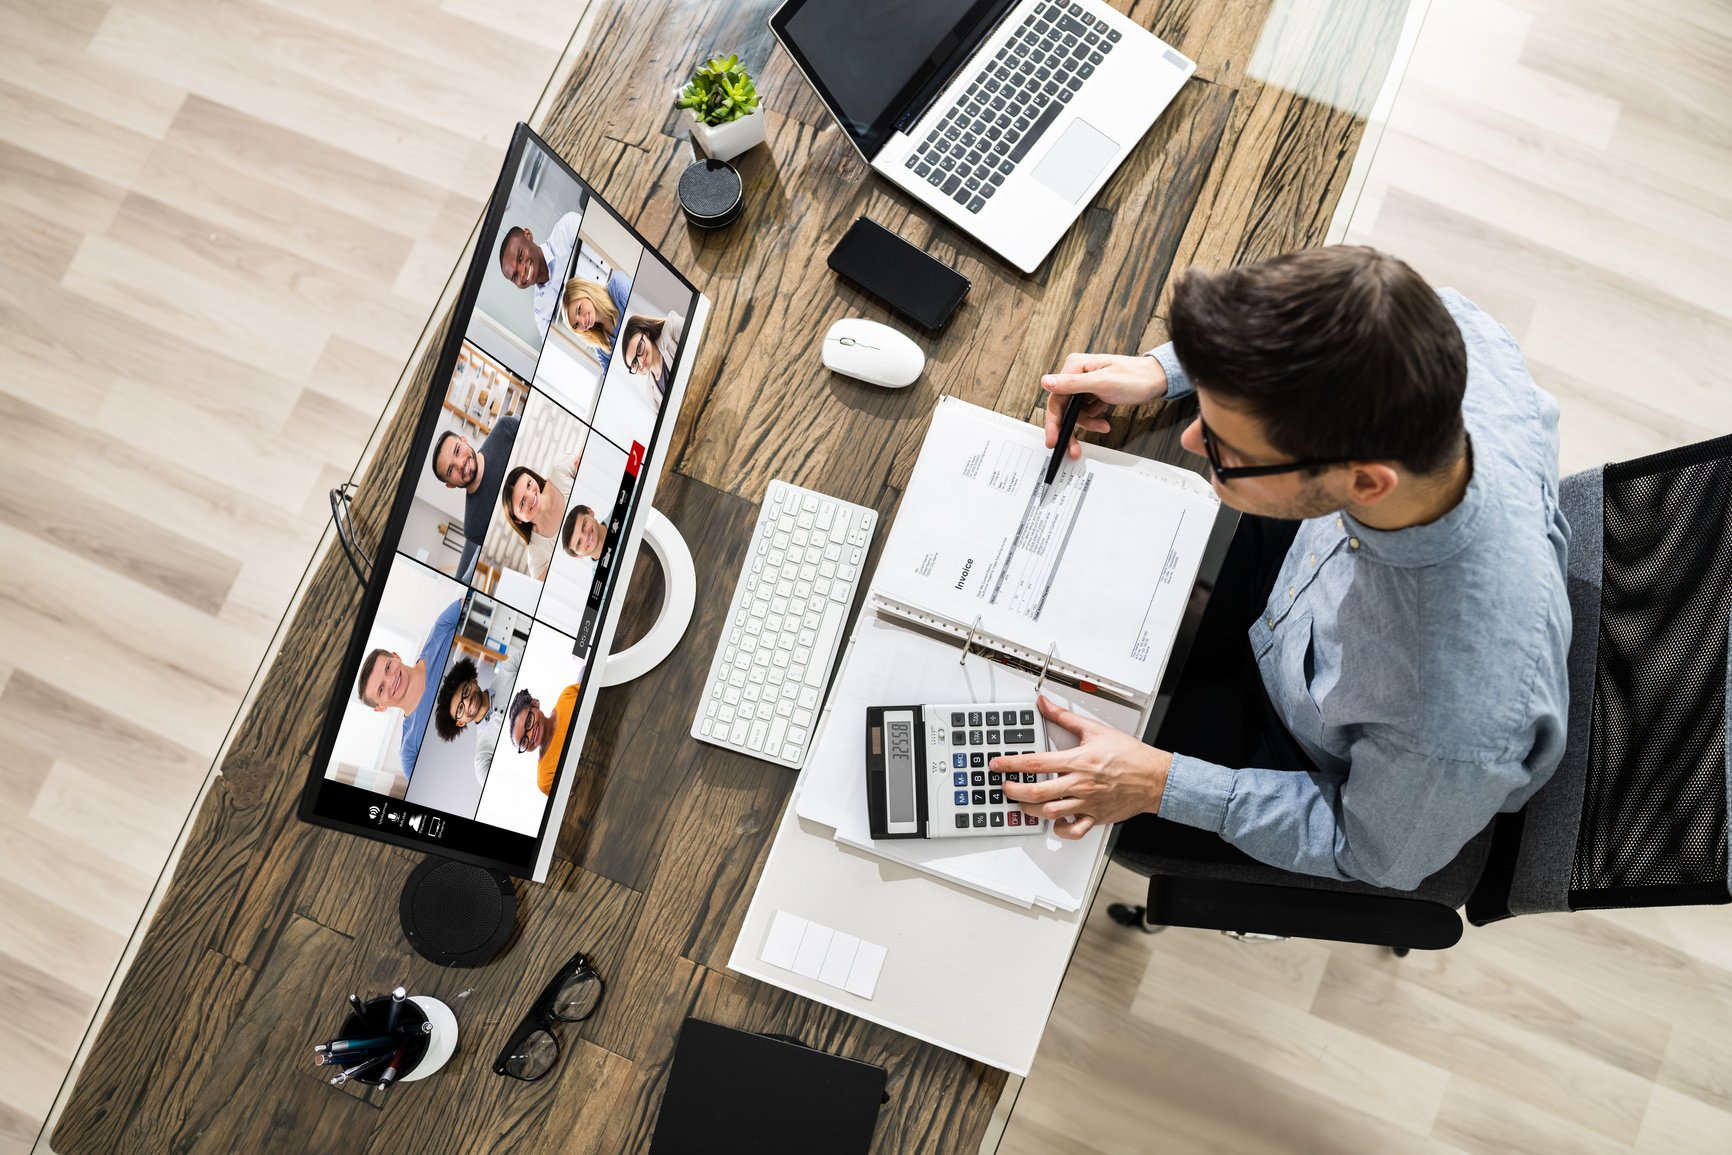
[{"x": 878, "y": 354}]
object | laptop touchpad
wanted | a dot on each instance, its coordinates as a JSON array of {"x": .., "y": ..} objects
[{"x": 1076, "y": 160}]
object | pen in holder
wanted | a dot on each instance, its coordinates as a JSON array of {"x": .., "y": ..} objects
[{"x": 386, "y": 1040}]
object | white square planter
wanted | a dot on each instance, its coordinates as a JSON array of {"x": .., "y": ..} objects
[{"x": 726, "y": 141}]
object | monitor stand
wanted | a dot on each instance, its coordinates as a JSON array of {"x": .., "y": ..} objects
[{"x": 679, "y": 597}]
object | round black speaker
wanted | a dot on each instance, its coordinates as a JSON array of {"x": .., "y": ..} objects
[
  {"x": 710, "y": 193},
  {"x": 457, "y": 915}
]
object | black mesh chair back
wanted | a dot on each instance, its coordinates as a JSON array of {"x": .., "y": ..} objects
[{"x": 1635, "y": 814}]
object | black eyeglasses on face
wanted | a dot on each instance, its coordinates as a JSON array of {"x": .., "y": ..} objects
[
  {"x": 1226, "y": 473},
  {"x": 571, "y": 997}
]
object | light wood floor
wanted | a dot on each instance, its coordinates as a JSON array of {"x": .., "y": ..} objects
[
  {"x": 223, "y": 227},
  {"x": 1568, "y": 165}
]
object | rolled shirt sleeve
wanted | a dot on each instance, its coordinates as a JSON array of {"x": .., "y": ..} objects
[
  {"x": 1398, "y": 819},
  {"x": 1178, "y": 381}
]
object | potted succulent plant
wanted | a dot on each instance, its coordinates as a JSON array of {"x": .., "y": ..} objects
[{"x": 722, "y": 102}]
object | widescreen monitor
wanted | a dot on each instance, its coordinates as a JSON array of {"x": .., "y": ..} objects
[{"x": 470, "y": 677}]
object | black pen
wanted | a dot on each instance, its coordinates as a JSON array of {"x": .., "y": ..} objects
[
  {"x": 1066, "y": 427},
  {"x": 397, "y": 997},
  {"x": 348, "y": 1073},
  {"x": 360, "y": 1009}
]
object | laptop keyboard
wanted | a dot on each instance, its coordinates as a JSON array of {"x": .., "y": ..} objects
[{"x": 1014, "y": 99}]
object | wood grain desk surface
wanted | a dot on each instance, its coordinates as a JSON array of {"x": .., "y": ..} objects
[{"x": 267, "y": 923}]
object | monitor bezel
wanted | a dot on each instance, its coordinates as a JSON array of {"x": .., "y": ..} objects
[{"x": 386, "y": 553}]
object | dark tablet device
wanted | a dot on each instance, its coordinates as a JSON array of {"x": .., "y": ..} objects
[{"x": 925, "y": 291}]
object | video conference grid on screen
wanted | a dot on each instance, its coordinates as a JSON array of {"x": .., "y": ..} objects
[{"x": 454, "y": 729}]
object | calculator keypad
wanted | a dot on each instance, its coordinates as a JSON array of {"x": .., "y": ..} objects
[{"x": 969, "y": 739}]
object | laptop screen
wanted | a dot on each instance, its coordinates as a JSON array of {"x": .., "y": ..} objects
[{"x": 869, "y": 59}]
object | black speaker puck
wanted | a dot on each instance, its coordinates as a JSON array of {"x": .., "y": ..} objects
[
  {"x": 711, "y": 193},
  {"x": 457, "y": 915}
]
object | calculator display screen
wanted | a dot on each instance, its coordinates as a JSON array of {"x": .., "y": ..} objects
[{"x": 899, "y": 774}]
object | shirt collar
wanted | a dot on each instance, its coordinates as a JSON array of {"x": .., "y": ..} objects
[{"x": 1421, "y": 545}]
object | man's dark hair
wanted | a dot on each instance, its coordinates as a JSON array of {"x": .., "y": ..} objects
[
  {"x": 520, "y": 701},
  {"x": 511, "y": 234},
  {"x": 444, "y": 712},
  {"x": 367, "y": 664},
  {"x": 1339, "y": 352},
  {"x": 433, "y": 461}
]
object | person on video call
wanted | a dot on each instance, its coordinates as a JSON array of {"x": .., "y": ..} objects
[
  {"x": 467, "y": 701},
  {"x": 534, "y": 505},
  {"x": 1381, "y": 668},
  {"x": 477, "y": 472},
  {"x": 593, "y": 311},
  {"x": 540, "y": 267},
  {"x": 582, "y": 535},
  {"x": 649, "y": 346},
  {"x": 544, "y": 733},
  {"x": 387, "y": 682}
]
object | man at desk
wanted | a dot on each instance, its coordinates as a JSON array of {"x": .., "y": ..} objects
[
  {"x": 1381, "y": 668},
  {"x": 388, "y": 682}
]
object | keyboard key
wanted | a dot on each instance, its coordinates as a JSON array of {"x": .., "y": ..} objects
[
  {"x": 987, "y": 190},
  {"x": 923, "y": 170},
  {"x": 960, "y": 778},
  {"x": 992, "y": 737},
  {"x": 1114, "y": 35},
  {"x": 979, "y": 817},
  {"x": 960, "y": 761},
  {"x": 977, "y": 778},
  {"x": 997, "y": 818},
  {"x": 977, "y": 759},
  {"x": 1014, "y": 818},
  {"x": 975, "y": 737},
  {"x": 996, "y": 797},
  {"x": 979, "y": 797},
  {"x": 936, "y": 177},
  {"x": 975, "y": 718},
  {"x": 992, "y": 717},
  {"x": 962, "y": 822},
  {"x": 958, "y": 737},
  {"x": 961, "y": 196},
  {"x": 960, "y": 719},
  {"x": 993, "y": 777},
  {"x": 961, "y": 797},
  {"x": 1027, "y": 717},
  {"x": 1084, "y": 71}
]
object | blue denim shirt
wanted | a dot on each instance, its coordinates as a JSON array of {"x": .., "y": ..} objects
[{"x": 1422, "y": 669}]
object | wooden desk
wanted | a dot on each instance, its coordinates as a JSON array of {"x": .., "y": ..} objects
[{"x": 267, "y": 923}]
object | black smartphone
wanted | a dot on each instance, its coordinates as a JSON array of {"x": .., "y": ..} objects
[{"x": 925, "y": 291}]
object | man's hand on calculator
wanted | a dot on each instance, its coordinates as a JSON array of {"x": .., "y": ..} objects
[{"x": 1108, "y": 778}]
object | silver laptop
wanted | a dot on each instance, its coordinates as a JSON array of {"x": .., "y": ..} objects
[{"x": 1006, "y": 116}]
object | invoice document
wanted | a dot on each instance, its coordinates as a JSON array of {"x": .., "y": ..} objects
[{"x": 1096, "y": 567}]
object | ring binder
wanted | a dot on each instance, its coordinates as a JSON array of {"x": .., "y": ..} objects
[
  {"x": 1046, "y": 663},
  {"x": 968, "y": 641}
]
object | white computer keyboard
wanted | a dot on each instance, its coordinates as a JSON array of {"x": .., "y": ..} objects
[{"x": 771, "y": 667}]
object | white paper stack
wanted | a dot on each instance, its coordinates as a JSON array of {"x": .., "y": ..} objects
[{"x": 1096, "y": 572}]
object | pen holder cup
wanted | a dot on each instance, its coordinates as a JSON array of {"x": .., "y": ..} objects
[{"x": 411, "y": 1023}]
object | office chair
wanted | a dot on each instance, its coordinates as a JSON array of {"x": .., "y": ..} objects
[{"x": 1635, "y": 813}]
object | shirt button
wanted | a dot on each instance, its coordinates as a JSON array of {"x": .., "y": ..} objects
[
  {"x": 1311, "y": 559},
  {"x": 1269, "y": 621},
  {"x": 1339, "y": 524},
  {"x": 1353, "y": 543},
  {"x": 1290, "y": 592}
]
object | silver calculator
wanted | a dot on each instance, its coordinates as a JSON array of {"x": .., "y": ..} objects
[{"x": 929, "y": 775}]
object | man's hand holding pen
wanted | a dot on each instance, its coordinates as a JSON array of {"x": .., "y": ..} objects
[
  {"x": 1108, "y": 778},
  {"x": 1109, "y": 380}
]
